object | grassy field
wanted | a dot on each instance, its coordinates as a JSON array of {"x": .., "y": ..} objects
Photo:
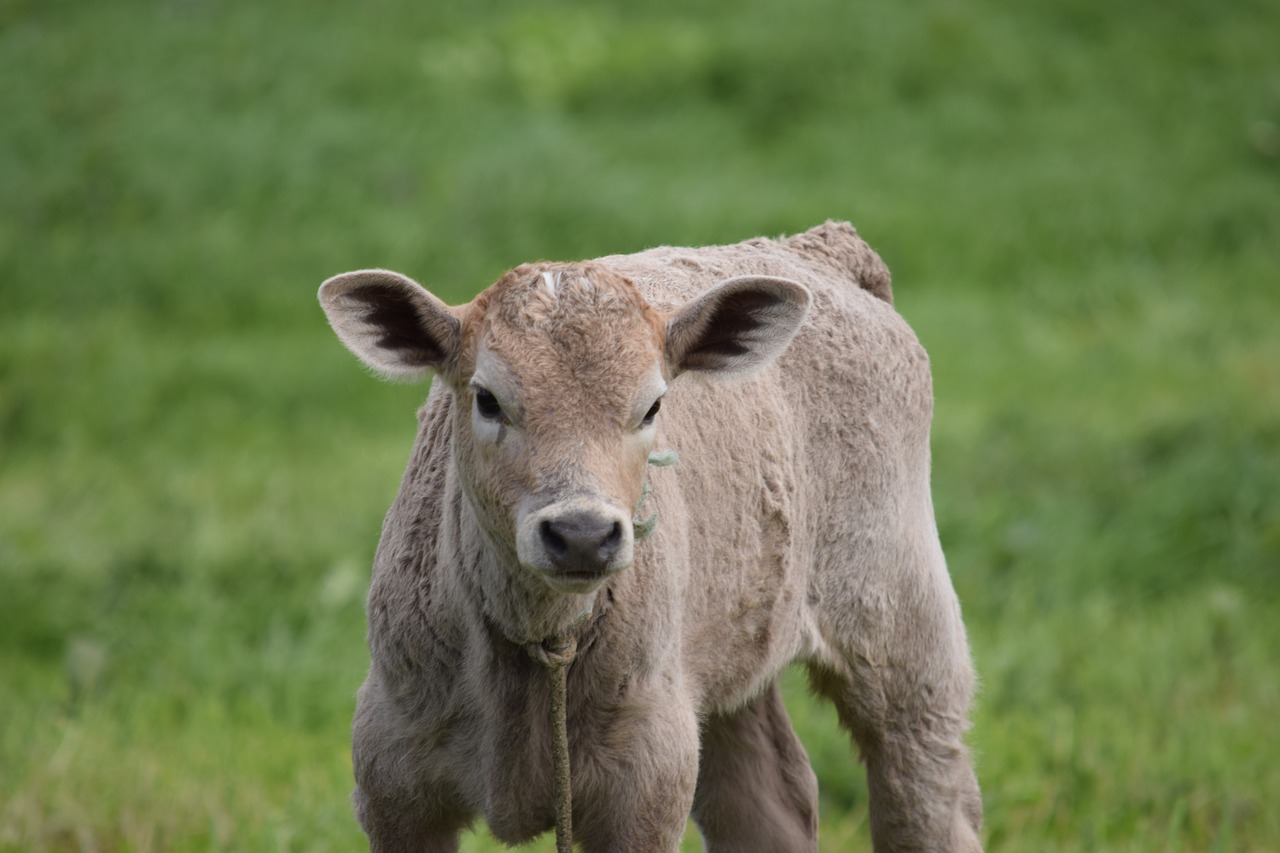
[{"x": 1080, "y": 202}]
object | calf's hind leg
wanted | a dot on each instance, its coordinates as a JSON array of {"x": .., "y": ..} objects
[
  {"x": 902, "y": 684},
  {"x": 755, "y": 790}
]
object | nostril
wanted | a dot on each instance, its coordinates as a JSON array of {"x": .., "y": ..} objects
[
  {"x": 552, "y": 541},
  {"x": 581, "y": 541},
  {"x": 611, "y": 542}
]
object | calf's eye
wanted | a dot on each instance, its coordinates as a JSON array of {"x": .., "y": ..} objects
[
  {"x": 487, "y": 405},
  {"x": 652, "y": 413}
]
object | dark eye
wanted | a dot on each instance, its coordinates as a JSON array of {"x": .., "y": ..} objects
[
  {"x": 487, "y": 405},
  {"x": 652, "y": 413}
]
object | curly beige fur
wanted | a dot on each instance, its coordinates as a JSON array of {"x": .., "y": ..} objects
[{"x": 797, "y": 527}]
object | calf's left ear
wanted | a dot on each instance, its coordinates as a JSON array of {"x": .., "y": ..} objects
[
  {"x": 738, "y": 326},
  {"x": 392, "y": 323}
]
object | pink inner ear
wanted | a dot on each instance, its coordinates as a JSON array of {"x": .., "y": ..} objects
[
  {"x": 403, "y": 331},
  {"x": 740, "y": 325},
  {"x": 725, "y": 333},
  {"x": 391, "y": 323}
]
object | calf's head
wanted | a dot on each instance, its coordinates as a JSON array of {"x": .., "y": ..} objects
[{"x": 558, "y": 372}]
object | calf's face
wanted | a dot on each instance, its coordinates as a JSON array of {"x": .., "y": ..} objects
[{"x": 558, "y": 373}]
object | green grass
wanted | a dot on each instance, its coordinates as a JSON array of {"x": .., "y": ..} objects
[{"x": 1081, "y": 206}]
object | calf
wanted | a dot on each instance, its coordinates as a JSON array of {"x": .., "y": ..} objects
[{"x": 797, "y": 526}]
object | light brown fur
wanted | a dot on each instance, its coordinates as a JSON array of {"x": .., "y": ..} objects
[{"x": 796, "y": 526}]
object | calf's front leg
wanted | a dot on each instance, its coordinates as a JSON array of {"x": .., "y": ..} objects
[
  {"x": 397, "y": 807},
  {"x": 633, "y": 785}
]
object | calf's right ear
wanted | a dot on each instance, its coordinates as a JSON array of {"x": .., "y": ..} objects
[{"x": 392, "y": 323}]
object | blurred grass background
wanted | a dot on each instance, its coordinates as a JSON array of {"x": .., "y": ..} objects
[{"x": 1080, "y": 202}]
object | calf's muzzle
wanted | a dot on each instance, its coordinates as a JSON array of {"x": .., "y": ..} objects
[
  {"x": 581, "y": 542},
  {"x": 575, "y": 544}
]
